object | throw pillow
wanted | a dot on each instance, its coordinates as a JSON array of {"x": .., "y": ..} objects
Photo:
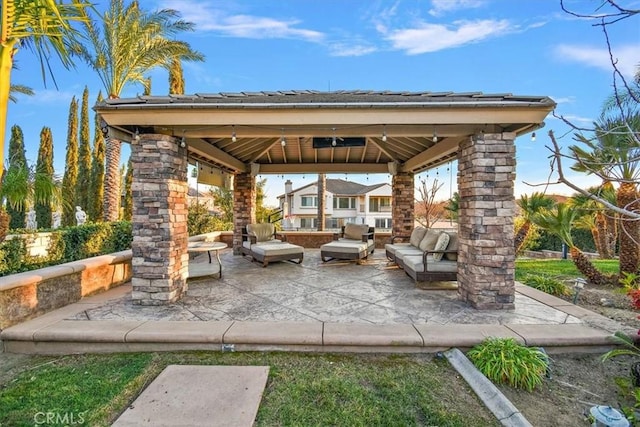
[
  {"x": 429, "y": 240},
  {"x": 453, "y": 246},
  {"x": 441, "y": 245},
  {"x": 417, "y": 235}
]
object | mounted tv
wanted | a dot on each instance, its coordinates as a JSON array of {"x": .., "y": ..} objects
[{"x": 327, "y": 142}]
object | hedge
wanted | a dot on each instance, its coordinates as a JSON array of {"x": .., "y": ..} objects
[{"x": 66, "y": 245}]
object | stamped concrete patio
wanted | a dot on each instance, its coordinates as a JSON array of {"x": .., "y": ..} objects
[{"x": 314, "y": 306}]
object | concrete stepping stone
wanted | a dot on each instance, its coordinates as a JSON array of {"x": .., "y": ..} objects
[{"x": 199, "y": 396}]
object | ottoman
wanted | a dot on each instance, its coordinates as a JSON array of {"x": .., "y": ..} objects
[{"x": 276, "y": 251}]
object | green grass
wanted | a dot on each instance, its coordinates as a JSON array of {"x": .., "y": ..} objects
[
  {"x": 559, "y": 268},
  {"x": 302, "y": 389}
]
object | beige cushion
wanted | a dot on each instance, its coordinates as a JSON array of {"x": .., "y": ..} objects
[
  {"x": 417, "y": 235},
  {"x": 263, "y": 232},
  {"x": 272, "y": 249},
  {"x": 453, "y": 246},
  {"x": 415, "y": 263},
  {"x": 346, "y": 247},
  {"x": 429, "y": 240},
  {"x": 441, "y": 245},
  {"x": 355, "y": 231}
]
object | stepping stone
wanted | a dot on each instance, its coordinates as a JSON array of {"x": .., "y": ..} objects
[{"x": 199, "y": 396}]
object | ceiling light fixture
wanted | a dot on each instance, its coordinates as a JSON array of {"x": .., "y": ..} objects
[
  {"x": 384, "y": 133},
  {"x": 233, "y": 133}
]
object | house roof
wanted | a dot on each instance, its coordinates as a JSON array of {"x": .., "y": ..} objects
[
  {"x": 242, "y": 132},
  {"x": 342, "y": 187}
]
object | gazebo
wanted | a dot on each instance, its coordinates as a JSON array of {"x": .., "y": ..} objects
[{"x": 284, "y": 132}]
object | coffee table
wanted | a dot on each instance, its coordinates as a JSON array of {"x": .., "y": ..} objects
[{"x": 198, "y": 270}]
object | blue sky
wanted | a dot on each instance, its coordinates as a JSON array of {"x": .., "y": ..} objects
[{"x": 525, "y": 47}]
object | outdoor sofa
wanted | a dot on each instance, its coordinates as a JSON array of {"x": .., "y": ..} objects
[
  {"x": 353, "y": 242},
  {"x": 429, "y": 255},
  {"x": 263, "y": 244}
]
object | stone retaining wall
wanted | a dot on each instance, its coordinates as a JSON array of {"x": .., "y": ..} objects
[{"x": 27, "y": 295}]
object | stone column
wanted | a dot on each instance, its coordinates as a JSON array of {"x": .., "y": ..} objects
[
  {"x": 322, "y": 201},
  {"x": 160, "y": 258},
  {"x": 244, "y": 206},
  {"x": 486, "y": 256},
  {"x": 403, "y": 202}
]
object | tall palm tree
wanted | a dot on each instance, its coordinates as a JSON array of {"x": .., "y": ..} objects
[
  {"x": 529, "y": 206},
  {"x": 559, "y": 221},
  {"x": 614, "y": 155},
  {"x": 594, "y": 217},
  {"x": 43, "y": 25},
  {"x": 125, "y": 43}
]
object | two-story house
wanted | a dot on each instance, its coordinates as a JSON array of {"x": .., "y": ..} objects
[{"x": 345, "y": 201}]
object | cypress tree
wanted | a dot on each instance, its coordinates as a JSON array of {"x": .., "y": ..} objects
[
  {"x": 84, "y": 155},
  {"x": 176, "y": 78},
  {"x": 70, "y": 177},
  {"x": 17, "y": 170},
  {"x": 96, "y": 182},
  {"x": 44, "y": 166},
  {"x": 127, "y": 205}
]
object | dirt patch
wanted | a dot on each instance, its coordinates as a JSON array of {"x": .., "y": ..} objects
[{"x": 580, "y": 381}]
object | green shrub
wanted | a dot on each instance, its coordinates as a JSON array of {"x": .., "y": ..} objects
[
  {"x": 66, "y": 244},
  {"x": 546, "y": 284},
  {"x": 583, "y": 239},
  {"x": 504, "y": 361},
  {"x": 200, "y": 221}
]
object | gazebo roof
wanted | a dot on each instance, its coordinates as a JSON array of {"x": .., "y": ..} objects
[{"x": 343, "y": 131}]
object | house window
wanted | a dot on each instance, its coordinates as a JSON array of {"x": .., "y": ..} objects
[
  {"x": 344, "y": 203},
  {"x": 309, "y": 201},
  {"x": 308, "y": 222},
  {"x": 383, "y": 223},
  {"x": 380, "y": 204}
]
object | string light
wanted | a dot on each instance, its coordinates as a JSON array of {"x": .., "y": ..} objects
[
  {"x": 233, "y": 133},
  {"x": 283, "y": 141},
  {"x": 384, "y": 133},
  {"x": 435, "y": 135},
  {"x": 334, "y": 140},
  {"x": 533, "y": 137}
]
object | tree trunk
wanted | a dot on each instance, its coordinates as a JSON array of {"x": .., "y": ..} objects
[
  {"x": 600, "y": 236},
  {"x": 6, "y": 62},
  {"x": 629, "y": 236},
  {"x": 112, "y": 181},
  {"x": 586, "y": 267},
  {"x": 521, "y": 236}
]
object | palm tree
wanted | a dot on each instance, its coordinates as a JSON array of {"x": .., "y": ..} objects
[
  {"x": 559, "y": 221},
  {"x": 614, "y": 155},
  {"x": 129, "y": 43},
  {"x": 45, "y": 26},
  {"x": 529, "y": 206},
  {"x": 594, "y": 217}
]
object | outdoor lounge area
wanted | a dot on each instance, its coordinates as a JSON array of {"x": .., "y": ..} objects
[{"x": 312, "y": 306}]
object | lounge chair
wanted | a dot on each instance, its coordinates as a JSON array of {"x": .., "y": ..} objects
[
  {"x": 263, "y": 244},
  {"x": 354, "y": 242}
]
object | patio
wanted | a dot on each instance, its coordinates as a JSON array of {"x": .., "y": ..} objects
[{"x": 314, "y": 306}]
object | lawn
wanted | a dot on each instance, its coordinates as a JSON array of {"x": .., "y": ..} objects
[
  {"x": 302, "y": 389},
  {"x": 560, "y": 268}
]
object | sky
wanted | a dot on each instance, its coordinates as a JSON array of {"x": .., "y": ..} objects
[{"x": 523, "y": 47}]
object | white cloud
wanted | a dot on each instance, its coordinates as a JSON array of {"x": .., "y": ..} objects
[
  {"x": 598, "y": 57},
  {"x": 208, "y": 18},
  {"x": 434, "y": 37},
  {"x": 444, "y": 6},
  {"x": 350, "y": 49},
  {"x": 51, "y": 97}
]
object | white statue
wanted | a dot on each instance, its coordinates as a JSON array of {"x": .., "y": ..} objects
[
  {"x": 57, "y": 219},
  {"x": 32, "y": 224},
  {"x": 81, "y": 216}
]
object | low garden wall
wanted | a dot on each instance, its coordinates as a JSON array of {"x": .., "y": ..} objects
[{"x": 27, "y": 295}]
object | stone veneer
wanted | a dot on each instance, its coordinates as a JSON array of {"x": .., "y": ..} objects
[
  {"x": 486, "y": 256},
  {"x": 403, "y": 203},
  {"x": 160, "y": 258},
  {"x": 244, "y": 207}
]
